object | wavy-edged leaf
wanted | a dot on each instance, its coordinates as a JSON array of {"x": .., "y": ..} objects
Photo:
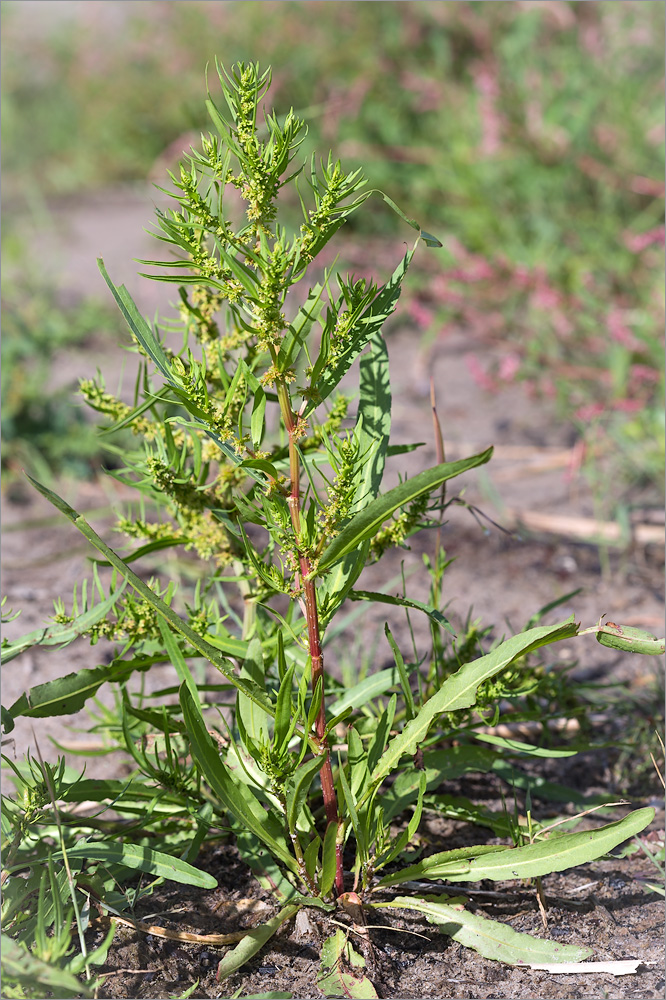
[
  {"x": 489, "y": 938},
  {"x": 370, "y": 519},
  {"x": 66, "y": 695},
  {"x": 557, "y": 853},
  {"x": 444, "y": 864},
  {"x": 459, "y": 690}
]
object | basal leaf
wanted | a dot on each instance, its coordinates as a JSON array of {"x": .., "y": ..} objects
[
  {"x": 489, "y": 938},
  {"x": 557, "y": 853}
]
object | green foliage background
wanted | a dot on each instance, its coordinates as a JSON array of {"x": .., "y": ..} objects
[{"x": 529, "y": 135}]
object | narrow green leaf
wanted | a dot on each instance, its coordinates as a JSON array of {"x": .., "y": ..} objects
[
  {"x": 66, "y": 695},
  {"x": 329, "y": 859},
  {"x": 138, "y": 325},
  {"x": 459, "y": 690},
  {"x": 363, "y": 692},
  {"x": 254, "y": 941},
  {"x": 402, "y": 602},
  {"x": 517, "y": 747},
  {"x": 557, "y": 853},
  {"x": 373, "y": 422},
  {"x": 234, "y": 795},
  {"x": 298, "y": 788},
  {"x": 254, "y": 719},
  {"x": 410, "y": 709},
  {"x": 143, "y": 859},
  {"x": 177, "y": 658},
  {"x": 382, "y": 733},
  {"x": 370, "y": 519},
  {"x": 490, "y": 938},
  {"x": 181, "y": 626},
  {"x": 444, "y": 864},
  {"x": 257, "y": 417}
]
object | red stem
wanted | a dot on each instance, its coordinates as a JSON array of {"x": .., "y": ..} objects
[{"x": 314, "y": 643}]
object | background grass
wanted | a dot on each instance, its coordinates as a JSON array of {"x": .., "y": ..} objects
[{"x": 529, "y": 135}]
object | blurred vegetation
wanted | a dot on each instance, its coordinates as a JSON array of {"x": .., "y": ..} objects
[{"x": 529, "y": 135}]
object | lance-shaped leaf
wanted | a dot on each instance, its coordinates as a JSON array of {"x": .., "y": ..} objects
[
  {"x": 459, "y": 690},
  {"x": 138, "y": 325},
  {"x": 179, "y": 624},
  {"x": 557, "y": 853},
  {"x": 66, "y": 695},
  {"x": 373, "y": 422},
  {"x": 234, "y": 795},
  {"x": 490, "y": 938},
  {"x": 370, "y": 519},
  {"x": 444, "y": 864},
  {"x": 143, "y": 859},
  {"x": 402, "y": 602}
]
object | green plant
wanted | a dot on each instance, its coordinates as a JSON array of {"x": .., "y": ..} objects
[{"x": 243, "y": 460}]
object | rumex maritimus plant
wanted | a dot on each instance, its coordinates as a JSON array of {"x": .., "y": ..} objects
[{"x": 245, "y": 460}]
